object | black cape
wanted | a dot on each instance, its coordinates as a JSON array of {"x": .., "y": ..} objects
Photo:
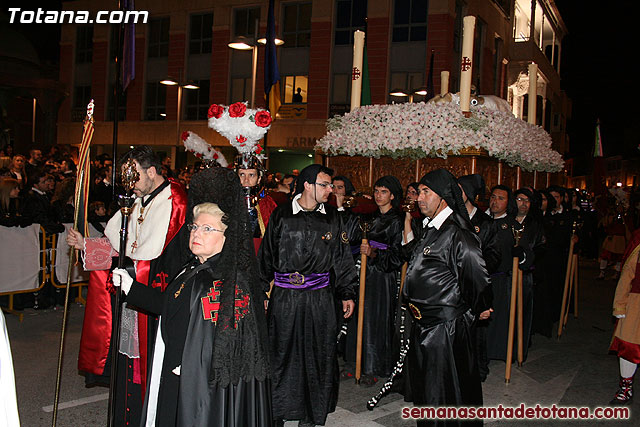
[
  {"x": 188, "y": 333},
  {"x": 446, "y": 281}
]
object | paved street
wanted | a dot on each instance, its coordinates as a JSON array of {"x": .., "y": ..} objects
[{"x": 573, "y": 371}]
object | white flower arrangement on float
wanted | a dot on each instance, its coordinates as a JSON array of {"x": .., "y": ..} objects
[{"x": 418, "y": 130}]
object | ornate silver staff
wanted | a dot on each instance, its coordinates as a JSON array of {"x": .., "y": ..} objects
[{"x": 130, "y": 176}]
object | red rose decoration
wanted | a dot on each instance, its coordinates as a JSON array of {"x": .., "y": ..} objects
[
  {"x": 263, "y": 118},
  {"x": 259, "y": 149},
  {"x": 241, "y": 139},
  {"x": 215, "y": 111},
  {"x": 184, "y": 135},
  {"x": 237, "y": 110}
]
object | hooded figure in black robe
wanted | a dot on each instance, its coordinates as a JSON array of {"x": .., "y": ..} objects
[
  {"x": 213, "y": 326},
  {"x": 381, "y": 288},
  {"x": 472, "y": 186},
  {"x": 445, "y": 290},
  {"x": 306, "y": 252}
]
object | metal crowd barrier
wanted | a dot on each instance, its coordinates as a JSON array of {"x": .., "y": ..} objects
[{"x": 29, "y": 258}]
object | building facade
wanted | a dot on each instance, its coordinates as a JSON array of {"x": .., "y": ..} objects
[{"x": 188, "y": 42}]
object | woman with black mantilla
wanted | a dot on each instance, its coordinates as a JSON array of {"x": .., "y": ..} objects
[{"x": 210, "y": 365}]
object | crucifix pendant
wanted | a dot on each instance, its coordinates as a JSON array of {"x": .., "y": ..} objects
[{"x": 134, "y": 246}]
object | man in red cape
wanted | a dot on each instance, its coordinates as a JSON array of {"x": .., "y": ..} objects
[{"x": 156, "y": 243}]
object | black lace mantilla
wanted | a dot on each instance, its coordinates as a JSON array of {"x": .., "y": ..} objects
[{"x": 240, "y": 350}]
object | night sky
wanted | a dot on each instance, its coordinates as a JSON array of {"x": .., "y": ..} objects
[
  {"x": 598, "y": 75},
  {"x": 597, "y": 70}
]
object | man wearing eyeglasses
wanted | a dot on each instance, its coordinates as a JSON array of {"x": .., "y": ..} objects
[
  {"x": 157, "y": 246},
  {"x": 305, "y": 250}
]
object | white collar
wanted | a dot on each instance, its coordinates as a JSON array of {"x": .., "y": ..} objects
[
  {"x": 473, "y": 212},
  {"x": 439, "y": 219},
  {"x": 488, "y": 212},
  {"x": 295, "y": 206},
  {"x": 558, "y": 210}
]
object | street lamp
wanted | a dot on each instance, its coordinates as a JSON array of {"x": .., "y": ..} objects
[
  {"x": 169, "y": 81},
  {"x": 245, "y": 43}
]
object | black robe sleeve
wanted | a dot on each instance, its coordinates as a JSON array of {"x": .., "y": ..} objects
[
  {"x": 473, "y": 277},
  {"x": 145, "y": 297}
]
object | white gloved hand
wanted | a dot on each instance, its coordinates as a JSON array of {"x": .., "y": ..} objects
[
  {"x": 620, "y": 316},
  {"x": 121, "y": 278}
]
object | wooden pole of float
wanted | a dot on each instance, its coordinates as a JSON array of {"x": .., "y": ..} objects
[
  {"x": 466, "y": 64},
  {"x": 575, "y": 287},
  {"x": 364, "y": 226},
  {"x": 515, "y": 276},
  {"x": 520, "y": 319},
  {"x": 567, "y": 279}
]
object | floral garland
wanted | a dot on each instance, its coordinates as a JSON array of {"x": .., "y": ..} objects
[
  {"x": 242, "y": 126},
  {"x": 419, "y": 130}
]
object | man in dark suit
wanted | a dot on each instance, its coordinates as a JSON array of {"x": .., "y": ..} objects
[{"x": 37, "y": 205}]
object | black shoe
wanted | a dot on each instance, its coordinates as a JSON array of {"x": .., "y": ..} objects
[
  {"x": 368, "y": 380},
  {"x": 345, "y": 374}
]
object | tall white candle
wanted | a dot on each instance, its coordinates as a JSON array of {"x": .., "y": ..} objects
[
  {"x": 356, "y": 70},
  {"x": 466, "y": 62},
  {"x": 444, "y": 83},
  {"x": 533, "y": 93}
]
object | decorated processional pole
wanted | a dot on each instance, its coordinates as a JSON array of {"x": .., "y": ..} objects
[{"x": 81, "y": 200}]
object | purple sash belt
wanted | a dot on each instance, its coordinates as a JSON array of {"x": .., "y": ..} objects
[
  {"x": 378, "y": 245},
  {"x": 373, "y": 244},
  {"x": 301, "y": 281}
]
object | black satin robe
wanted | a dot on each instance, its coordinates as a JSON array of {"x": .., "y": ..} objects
[
  {"x": 532, "y": 241},
  {"x": 381, "y": 296},
  {"x": 303, "y": 324},
  {"x": 188, "y": 399},
  {"x": 481, "y": 223},
  {"x": 558, "y": 242},
  {"x": 447, "y": 281},
  {"x": 497, "y": 333}
]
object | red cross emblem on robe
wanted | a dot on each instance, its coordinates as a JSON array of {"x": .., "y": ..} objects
[{"x": 211, "y": 302}]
